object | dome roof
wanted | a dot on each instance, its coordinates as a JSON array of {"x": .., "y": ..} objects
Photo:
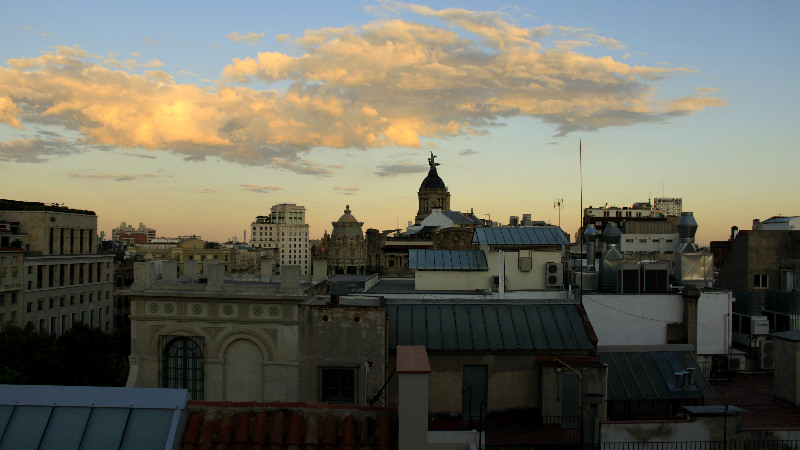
[
  {"x": 432, "y": 181},
  {"x": 347, "y": 226}
]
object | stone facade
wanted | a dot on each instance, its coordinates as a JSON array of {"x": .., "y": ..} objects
[
  {"x": 346, "y": 246},
  {"x": 222, "y": 340},
  {"x": 60, "y": 277},
  {"x": 432, "y": 193}
]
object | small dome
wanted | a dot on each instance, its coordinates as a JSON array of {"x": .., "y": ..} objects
[{"x": 347, "y": 226}]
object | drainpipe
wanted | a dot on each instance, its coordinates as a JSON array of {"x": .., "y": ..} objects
[{"x": 502, "y": 270}]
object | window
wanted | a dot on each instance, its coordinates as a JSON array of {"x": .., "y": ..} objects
[
  {"x": 182, "y": 364},
  {"x": 337, "y": 385},
  {"x": 760, "y": 281}
]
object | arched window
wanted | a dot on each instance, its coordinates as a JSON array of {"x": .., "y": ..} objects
[{"x": 182, "y": 364}]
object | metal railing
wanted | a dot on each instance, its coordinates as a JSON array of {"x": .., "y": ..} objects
[
  {"x": 534, "y": 431},
  {"x": 682, "y": 445}
]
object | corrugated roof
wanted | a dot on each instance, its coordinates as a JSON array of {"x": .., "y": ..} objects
[
  {"x": 519, "y": 236},
  {"x": 73, "y": 417},
  {"x": 648, "y": 373},
  {"x": 447, "y": 260},
  {"x": 488, "y": 327}
]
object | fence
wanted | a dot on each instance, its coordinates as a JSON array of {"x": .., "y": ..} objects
[
  {"x": 685, "y": 445},
  {"x": 538, "y": 431}
]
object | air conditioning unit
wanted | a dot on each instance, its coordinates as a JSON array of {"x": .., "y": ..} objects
[
  {"x": 628, "y": 279},
  {"x": 736, "y": 363},
  {"x": 554, "y": 275},
  {"x": 766, "y": 355},
  {"x": 655, "y": 278}
]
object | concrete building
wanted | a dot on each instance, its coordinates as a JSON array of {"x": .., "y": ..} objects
[
  {"x": 285, "y": 231},
  {"x": 639, "y": 212},
  {"x": 759, "y": 260},
  {"x": 129, "y": 234},
  {"x": 191, "y": 249},
  {"x": 60, "y": 277}
]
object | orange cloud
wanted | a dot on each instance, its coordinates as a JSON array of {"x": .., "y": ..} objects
[{"x": 388, "y": 83}]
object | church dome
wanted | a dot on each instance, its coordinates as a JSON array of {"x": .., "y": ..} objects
[
  {"x": 347, "y": 226},
  {"x": 432, "y": 181}
]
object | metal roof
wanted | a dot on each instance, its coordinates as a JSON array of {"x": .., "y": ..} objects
[
  {"x": 72, "y": 417},
  {"x": 447, "y": 260},
  {"x": 487, "y": 327},
  {"x": 779, "y": 219},
  {"x": 648, "y": 373},
  {"x": 426, "y": 229},
  {"x": 458, "y": 217},
  {"x": 519, "y": 236}
]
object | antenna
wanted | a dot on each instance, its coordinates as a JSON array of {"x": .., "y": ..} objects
[
  {"x": 558, "y": 204},
  {"x": 583, "y": 225}
]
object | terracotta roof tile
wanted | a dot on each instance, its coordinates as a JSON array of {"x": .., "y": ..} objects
[{"x": 297, "y": 425}]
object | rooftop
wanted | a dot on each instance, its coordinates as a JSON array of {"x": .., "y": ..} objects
[
  {"x": 752, "y": 391},
  {"x": 16, "y": 205},
  {"x": 278, "y": 425},
  {"x": 459, "y": 326}
]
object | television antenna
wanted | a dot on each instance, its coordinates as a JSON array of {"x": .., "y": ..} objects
[{"x": 558, "y": 204}]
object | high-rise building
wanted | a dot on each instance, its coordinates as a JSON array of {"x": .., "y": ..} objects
[
  {"x": 286, "y": 232},
  {"x": 55, "y": 275}
]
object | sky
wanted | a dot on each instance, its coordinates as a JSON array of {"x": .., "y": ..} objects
[{"x": 195, "y": 117}]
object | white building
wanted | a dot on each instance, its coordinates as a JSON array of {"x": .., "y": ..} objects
[
  {"x": 285, "y": 230},
  {"x": 778, "y": 223}
]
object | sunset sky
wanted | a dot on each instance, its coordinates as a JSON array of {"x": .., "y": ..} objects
[{"x": 195, "y": 117}]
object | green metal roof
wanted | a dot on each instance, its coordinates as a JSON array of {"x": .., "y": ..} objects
[
  {"x": 519, "y": 236},
  {"x": 447, "y": 260},
  {"x": 487, "y": 327}
]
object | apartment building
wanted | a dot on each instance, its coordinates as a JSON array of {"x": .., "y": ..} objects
[{"x": 55, "y": 274}]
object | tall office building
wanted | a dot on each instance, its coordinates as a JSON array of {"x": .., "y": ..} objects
[{"x": 285, "y": 231}]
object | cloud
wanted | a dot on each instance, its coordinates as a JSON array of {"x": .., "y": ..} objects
[
  {"x": 387, "y": 83},
  {"x": 205, "y": 191},
  {"x": 468, "y": 152},
  {"x": 347, "y": 190},
  {"x": 34, "y": 150},
  {"x": 108, "y": 176},
  {"x": 392, "y": 170},
  {"x": 260, "y": 189},
  {"x": 251, "y": 38}
]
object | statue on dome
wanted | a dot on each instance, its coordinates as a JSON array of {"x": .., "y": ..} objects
[{"x": 432, "y": 161}]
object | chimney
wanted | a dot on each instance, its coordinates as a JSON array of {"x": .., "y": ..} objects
[
  {"x": 413, "y": 369},
  {"x": 169, "y": 270},
  {"x": 190, "y": 269},
  {"x": 290, "y": 279},
  {"x": 216, "y": 274},
  {"x": 319, "y": 270},
  {"x": 266, "y": 269}
]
